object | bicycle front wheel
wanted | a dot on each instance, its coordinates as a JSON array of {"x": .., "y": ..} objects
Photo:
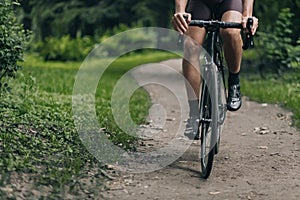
[{"x": 208, "y": 126}]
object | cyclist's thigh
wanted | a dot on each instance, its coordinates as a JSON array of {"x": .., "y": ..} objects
[
  {"x": 230, "y": 10},
  {"x": 199, "y": 10},
  {"x": 232, "y": 16}
]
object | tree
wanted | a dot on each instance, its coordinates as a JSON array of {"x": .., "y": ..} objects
[{"x": 78, "y": 18}]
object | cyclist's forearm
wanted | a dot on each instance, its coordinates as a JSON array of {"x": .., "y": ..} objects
[
  {"x": 180, "y": 6},
  {"x": 248, "y": 7}
]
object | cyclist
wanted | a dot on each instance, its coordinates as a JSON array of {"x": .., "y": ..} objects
[{"x": 225, "y": 10}]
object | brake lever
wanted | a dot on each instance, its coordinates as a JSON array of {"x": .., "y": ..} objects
[{"x": 248, "y": 42}]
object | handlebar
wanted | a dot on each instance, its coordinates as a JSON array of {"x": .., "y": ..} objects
[{"x": 214, "y": 25}]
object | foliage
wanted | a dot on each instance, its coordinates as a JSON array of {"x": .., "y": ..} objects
[
  {"x": 78, "y": 18},
  {"x": 70, "y": 49},
  {"x": 64, "y": 48},
  {"x": 12, "y": 39},
  {"x": 276, "y": 47},
  {"x": 267, "y": 14}
]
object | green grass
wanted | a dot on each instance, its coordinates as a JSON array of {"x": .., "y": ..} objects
[
  {"x": 37, "y": 133},
  {"x": 284, "y": 91}
]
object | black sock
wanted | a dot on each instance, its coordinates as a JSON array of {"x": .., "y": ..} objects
[
  {"x": 194, "y": 108},
  {"x": 233, "y": 78}
]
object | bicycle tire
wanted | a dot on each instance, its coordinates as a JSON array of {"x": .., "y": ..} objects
[
  {"x": 221, "y": 107},
  {"x": 217, "y": 147},
  {"x": 208, "y": 125}
]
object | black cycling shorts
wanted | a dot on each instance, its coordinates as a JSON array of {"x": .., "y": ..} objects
[{"x": 208, "y": 9}]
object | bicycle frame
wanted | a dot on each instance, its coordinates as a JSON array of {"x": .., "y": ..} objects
[
  {"x": 211, "y": 86},
  {"x": 212, "y": 109},
  {"x": 216, "y": 56}
]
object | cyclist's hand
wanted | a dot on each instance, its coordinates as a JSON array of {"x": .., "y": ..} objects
[
  {"x": 255, "y": 24},
  {"x": 180, "y": 22}
]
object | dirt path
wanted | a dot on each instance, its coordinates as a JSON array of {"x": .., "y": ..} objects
[{"x": 259, "y": 156}]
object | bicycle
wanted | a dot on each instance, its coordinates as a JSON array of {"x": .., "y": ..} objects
[{"x": 213, "y": 106}]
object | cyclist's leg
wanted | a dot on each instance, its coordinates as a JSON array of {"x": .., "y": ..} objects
[
  {"x": 231, "y": 10},
  {"x": 190, "y": 66},
  {"x": 191, "y": 72},
  {"x": 233, "y": 54},
  {"x": 232, "y": 42},
  {"x": 190, "y": 63}
]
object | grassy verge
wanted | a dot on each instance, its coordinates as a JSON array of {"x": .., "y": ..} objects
[
  {"x": 37, "y": 134},
  {"x": 283, "y": 90}
]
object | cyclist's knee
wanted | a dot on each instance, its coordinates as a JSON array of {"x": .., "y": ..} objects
[
  {"x": 191, "y": 48},
  {"x": 231, "y": 33}
]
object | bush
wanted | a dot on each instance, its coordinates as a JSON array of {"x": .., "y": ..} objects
[
  {"x": 12, "y": 40},
  {"x": 275, "y": 45},
  {"x": 64, "y": 48},
  {"x": 67, "y": 48}
]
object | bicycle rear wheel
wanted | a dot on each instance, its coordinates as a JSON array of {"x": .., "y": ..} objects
[{"x": 208, "y": 125}]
